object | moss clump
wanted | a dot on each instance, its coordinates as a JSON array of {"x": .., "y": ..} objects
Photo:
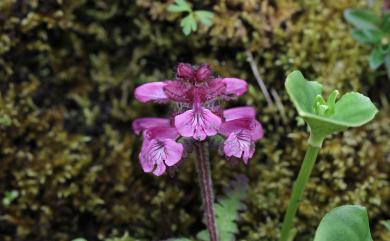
[{"x": 67, "y": 72}]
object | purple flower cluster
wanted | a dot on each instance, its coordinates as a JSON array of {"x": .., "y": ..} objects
[{"x": 196, "y": 95}]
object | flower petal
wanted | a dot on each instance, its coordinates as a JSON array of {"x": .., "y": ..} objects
[
  {"x": 247, "y": 124},
  {"x": 235, "y": 86},
  {"x": 160, "y": 169},
  {"x": 151, "y": 92},
  {"x": 174, "y": 152},
  {"x": 157, "y": 153},
  {"x": 215, "y": 88},
  {"x": 198, "y": 123},
  {"x": 239, "y": 112},
  {"x": 141, "y": 124},
  {"x": 239, "y": 145},
  {"x": 178, "y": 91},
  {"x": 161, "y": 132},
  {"x": 146, "y": 163},
  {"x": 257, "y": 131}
]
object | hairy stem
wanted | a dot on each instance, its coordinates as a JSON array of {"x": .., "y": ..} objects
[
  {"x": 299, "y": 187},
  {"x": 206, "y": 187}
]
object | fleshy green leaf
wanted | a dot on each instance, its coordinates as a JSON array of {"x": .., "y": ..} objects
[
  {"x": 205, "y": 17},
  {"x": 376, "y": 58},
  {"x": 386, "y": 22},
  {"x": 369, "y": 36},
  {"x": 387, "y": 65},
  {"x": 345, "y": 223},
  {"x": 227, "y": 211},
  {"x": 188, "y": 24},
  {"x": 387, "y": 224},
  {"x": 362, "y": 19},
  {"x": 353, "y": 109},
  {"x": 179, "y": 6},
  {"x": 302, "y": 92}
]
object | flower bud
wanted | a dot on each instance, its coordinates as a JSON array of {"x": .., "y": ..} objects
[
  {"x": 184, "y": 71},
  {"x": 203, "y": 73}
]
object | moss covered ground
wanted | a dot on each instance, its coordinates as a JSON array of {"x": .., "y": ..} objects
[{"x": 67, "y": 73}]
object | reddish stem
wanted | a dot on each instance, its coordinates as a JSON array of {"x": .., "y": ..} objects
[
  {"x": 206, "y": 187},
  {"x": 386, "y": 5}
]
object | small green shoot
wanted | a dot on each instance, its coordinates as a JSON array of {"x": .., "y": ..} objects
[
  {"x": 326, "y": 117},
  {"x": 190, "y": 22},
  {"x": 9, "y": 197}
]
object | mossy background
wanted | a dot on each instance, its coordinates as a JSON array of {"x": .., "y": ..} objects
[{"x": 67, "y": 72}]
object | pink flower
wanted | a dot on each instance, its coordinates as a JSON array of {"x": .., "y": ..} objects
[
  {"x": 196, "y": 95},
  {"x": 242, "y": 130},
  {"x": 159, "y": 148},
  {"x": 198, "y": 123}
]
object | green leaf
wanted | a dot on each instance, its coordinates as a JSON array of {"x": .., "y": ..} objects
[
  {"x": 387, "y": 224},
  {"x": 376, "y": 58},
  {"x": 386, "y": 22},
  {"x": 345, "y": 223},
  {"x": 387, "y": 65},
  {"x": 179, "y": 6},
  {"x": 362, "y": 19},
  {"x": 302, "y": 92},
  {"x": 369, "y": 36},
  {"x": 205, "y": 17},
  {"x": 227, "y": 210},
  {"x": 9, "y": 197},
  {"x": 188, "y": 24},
  {"x": 353, "y": 109},
  {"x": 79, "y": 239}
]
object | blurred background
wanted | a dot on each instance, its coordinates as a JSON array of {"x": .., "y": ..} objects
[{"x": 69, "y": 159}]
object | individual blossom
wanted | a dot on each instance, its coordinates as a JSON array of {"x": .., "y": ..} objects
[
  {"x": 242, "y": 130},
  {"x": 196, "y": 95},
  {"x": 159, "y": 148}
]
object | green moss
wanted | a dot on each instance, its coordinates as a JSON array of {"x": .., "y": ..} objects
[{"x": 67, "y": 73}]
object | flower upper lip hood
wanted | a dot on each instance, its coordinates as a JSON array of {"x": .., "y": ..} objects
[
  {"x": 194, "y": 75},
  {"x": 191, "y": 84},
  {"x": 196, "y": 96}
]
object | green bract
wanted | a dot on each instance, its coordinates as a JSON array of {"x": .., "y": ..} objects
[
  {"x": 374, "y": 30},
  {"x": 345, "y": 223},
  {"x": 326, "y": 117}
]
